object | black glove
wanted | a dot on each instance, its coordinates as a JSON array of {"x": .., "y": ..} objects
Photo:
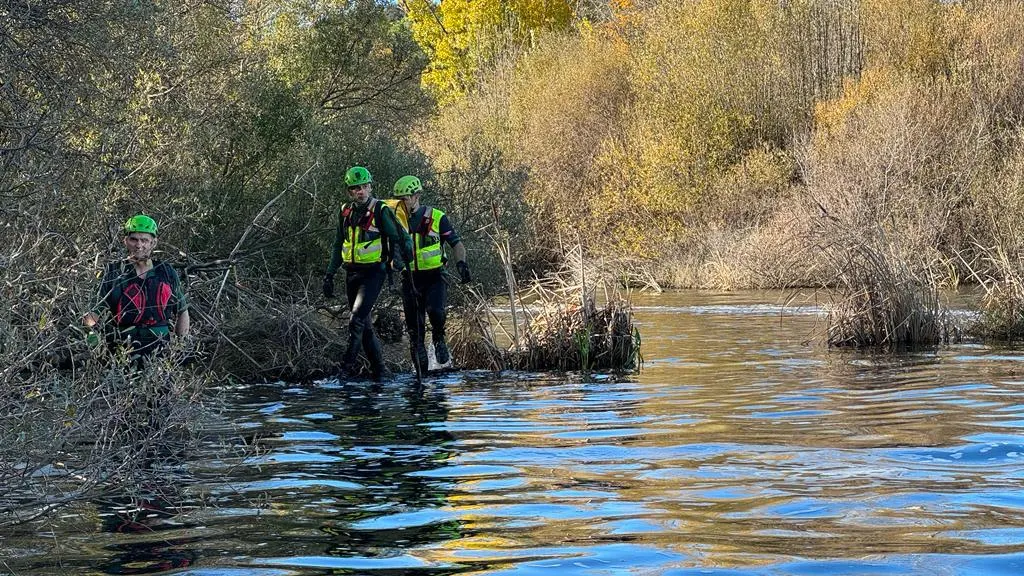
[
  {"x": 397, "y": 262},
  {"x": 329, "y": 285},
  {"x": 463, "y": 268}
]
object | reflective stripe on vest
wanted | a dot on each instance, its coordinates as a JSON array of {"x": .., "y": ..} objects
[
  {"x": 427, "y": 245},
  {"x": 362, "y": 243}
]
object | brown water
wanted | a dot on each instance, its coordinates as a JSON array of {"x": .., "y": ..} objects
[{"x": 742, "y": 448}]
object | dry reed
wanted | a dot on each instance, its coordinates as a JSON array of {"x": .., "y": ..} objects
[
  {"x": 881, "y": 299},
  {"x": 556, "y": 323},
  {"x": 1002, "y": 306}
]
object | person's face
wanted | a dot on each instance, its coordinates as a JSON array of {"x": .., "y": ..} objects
[
  {"x": 360, "y": 192},
  {"x": 411, "y": 201},
  {"x": 140, "y": 246}
]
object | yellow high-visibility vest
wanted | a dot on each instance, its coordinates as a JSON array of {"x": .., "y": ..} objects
[
  {"x": 362, "y": 243},
  {"x": 426, "y": 245}
]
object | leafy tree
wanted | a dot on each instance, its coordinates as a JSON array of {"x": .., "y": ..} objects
[
  {"x": 913, "y": 36},
  {"x": 464, "y": 37},
  {"x": 352, "y": 57},
  {"x": 698, "y": 74},
  {"x": 568, "y": 98}
]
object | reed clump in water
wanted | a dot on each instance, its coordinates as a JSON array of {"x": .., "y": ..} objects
[
  {"x": 577, "y": 336},
  {"x": 881, "y": 299},
  {"x": 473, "y": 341},
  {"x": 555, "y": 324},
  {"x": 1002, "y": 306}
]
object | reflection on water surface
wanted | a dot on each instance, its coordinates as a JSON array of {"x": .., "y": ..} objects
[{"x": 743, "y": 448}]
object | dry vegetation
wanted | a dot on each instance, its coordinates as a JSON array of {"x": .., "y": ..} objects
[
  {"x": 556, "y": 323},
  {"x": 722, "y": 131},
  {"x": 78, "y": 423},
  {"x": 866, "y": 145},
  {"x": 882, "y": 300},
  {"x": 1002, "y": 317}
]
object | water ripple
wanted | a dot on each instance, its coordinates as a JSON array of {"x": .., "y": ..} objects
[{"x": 741, "y": 449}]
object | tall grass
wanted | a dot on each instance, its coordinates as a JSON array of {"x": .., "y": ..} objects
[
  {"x": 1002, "y": 307},
  {"x": 997, "y": 262},
  {"x": 881, "y": 298}
]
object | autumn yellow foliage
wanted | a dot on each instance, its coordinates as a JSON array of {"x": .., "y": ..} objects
[
  {"x": 670, "y": 126},
  {"x": 462, "y": 37}
]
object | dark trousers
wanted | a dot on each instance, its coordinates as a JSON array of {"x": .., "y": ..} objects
[
  {"x": 362, "y": 286},
  {"x": 424, "y": 294}
]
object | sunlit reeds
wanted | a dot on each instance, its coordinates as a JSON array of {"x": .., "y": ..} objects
[
  {"x": 560, "y": 325},
  {"x": 880, "y": 299},
  {"x": 1002, "y": 305}
]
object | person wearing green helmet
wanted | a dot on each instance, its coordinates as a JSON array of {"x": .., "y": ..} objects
[
  {"x": 143, "y": 296},
  {"x": 367, "y": 240},
  {"x": 424, "y": 289}
]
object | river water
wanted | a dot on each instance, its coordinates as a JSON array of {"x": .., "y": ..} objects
[{"x": 743, "y": 447}]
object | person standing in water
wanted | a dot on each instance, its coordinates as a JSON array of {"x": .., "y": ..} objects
[
  {"x": 424, "y": 287},
  {"x": 368, "y": 239},
  {"x": 143, "y": 296}
]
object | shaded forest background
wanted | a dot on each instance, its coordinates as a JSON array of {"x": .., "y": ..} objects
[{"x": 727, "y": 144}]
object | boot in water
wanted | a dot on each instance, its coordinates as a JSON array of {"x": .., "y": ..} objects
[
  {"x": 441, "y": 352},
  {"x": 419, "y": 358}
]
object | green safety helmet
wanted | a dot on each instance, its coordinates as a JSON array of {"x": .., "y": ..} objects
[
  {"x": 407, "y": 186},
  {"x": 357, "y": 176},
  {"x": 140, "y": 223}
]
